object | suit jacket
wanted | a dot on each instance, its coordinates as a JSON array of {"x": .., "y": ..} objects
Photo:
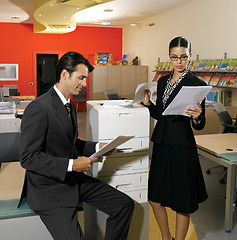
[
  {"x": 175, "y": 129},
  {"x": 48, "y": 140}
]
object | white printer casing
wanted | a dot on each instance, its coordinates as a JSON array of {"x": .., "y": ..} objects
[{"x": 127, "y": 169}]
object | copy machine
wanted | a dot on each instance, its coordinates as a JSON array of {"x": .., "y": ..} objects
[{"x": 127, "y": 168}]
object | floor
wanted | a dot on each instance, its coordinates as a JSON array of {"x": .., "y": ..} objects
[
  {"x": 209, "y": 219},
  {"x": 208, "y": 222}
]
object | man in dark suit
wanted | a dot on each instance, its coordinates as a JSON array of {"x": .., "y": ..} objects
[{"x": 56, "y": 160}]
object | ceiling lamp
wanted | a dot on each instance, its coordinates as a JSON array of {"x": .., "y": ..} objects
[
  {"x": 59, "y": 16},
  {"x": 15, "y": 18}
]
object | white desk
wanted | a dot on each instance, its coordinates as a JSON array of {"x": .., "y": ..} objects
[{"x": 222, "y": 149}]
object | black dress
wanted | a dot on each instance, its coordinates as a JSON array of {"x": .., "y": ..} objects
[{"x": 175, "y": 178}]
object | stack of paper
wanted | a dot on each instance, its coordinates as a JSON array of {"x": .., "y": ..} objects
[
  {"x": 7, "y": 110},
  {"x": 7, "y": 107}
]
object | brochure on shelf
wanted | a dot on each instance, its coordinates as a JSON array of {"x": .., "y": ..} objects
[
  {"x": 212, "y": 65},
  {"x": 207, "y": 77},
  {"x": 224, "y": 65},
  {"x": 201, "y": 65},
  {"x": 224, "y": 79},
  {"x": 195, "y": 65},
  {"x": 201, "y": 75},
  {"x": 232, "y": 66},
  {"x": 215, "y": 79},
  {"x": 232, "y": 80},
  {"x": 156, "y": 77}
]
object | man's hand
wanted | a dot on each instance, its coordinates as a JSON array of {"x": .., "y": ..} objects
[{"x": 82, "y": 164}]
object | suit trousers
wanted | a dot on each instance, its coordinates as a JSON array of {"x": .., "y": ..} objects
[{"x": 62, "y": 223}]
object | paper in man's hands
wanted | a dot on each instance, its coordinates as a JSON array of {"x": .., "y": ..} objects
[
  {"x": 187, "y": 97},
  {"x": 111, "y": 145}
]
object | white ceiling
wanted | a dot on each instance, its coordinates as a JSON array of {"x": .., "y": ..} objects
[{"x": 124, "y": 12}]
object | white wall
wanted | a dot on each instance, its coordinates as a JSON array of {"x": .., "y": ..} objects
[{"x": 211, "y": 26}]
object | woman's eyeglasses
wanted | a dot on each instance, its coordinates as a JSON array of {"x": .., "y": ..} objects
[{"x": 182, "y": 58}]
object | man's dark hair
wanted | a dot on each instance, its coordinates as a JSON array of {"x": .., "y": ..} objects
[
  {"x": 180, "y": 42},
  {"x": 69, "y": 61}
]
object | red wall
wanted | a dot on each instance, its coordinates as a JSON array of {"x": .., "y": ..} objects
[{"x": 19, "y": 44}]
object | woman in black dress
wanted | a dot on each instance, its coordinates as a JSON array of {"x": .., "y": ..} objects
[{"x": 175, "y": 178}]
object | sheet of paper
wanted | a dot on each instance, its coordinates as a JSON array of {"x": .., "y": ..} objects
[
  {"x": 115, "y": 103},
  {"x": 186, "y": 97},
  {"x": 139, "y": 93},
  {"x": 111, "y": 145}
]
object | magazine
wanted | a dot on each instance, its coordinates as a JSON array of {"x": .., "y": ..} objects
[
  {"x": 195, "y": 65},
  {"x": 207, "y": 77},
  {"x": 232, "y": 67},
  {"x": 212, "y": 65},
  {"x": 224, "y": 65},
  {"x": 201, "y": 65},
  {"x": 232, "y": 80},
  {"x": 224, "y": 79},
  {"x": 215, "y": 79}
]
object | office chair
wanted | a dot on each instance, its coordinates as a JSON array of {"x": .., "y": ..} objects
[
  {"x": 227, "y": 126},
  {"x": 10, "y": 140},
  {"x": 10, "y": 147},
  {"x": 81, "y": 98},
  {"x": 111, "y": 94},
  {"x": 226, "y": 120}
]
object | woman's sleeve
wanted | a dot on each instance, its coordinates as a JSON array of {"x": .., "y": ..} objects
[
  {"x": 153, "y": 111},
  {"x": 200, "y": 123}
]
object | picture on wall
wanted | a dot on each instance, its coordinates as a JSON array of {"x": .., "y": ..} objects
[
  {"x": 103, "y": 58},
  {"x": 8, "y": 72}
]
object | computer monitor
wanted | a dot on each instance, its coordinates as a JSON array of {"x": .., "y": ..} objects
[{"x": 13, "y": 89}]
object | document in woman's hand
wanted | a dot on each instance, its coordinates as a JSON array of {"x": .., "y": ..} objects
[{"x": 187, "y": 97}]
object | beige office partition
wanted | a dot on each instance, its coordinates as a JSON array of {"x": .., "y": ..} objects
[
  {"x": 114, "y": 78},
  {"x": 98, "y": 82},
  {"x": 124, "y": 79}
]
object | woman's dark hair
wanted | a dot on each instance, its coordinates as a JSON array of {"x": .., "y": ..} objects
[
  {"x": 180, "y": 42},
  {"x": 69, "y": 61}
]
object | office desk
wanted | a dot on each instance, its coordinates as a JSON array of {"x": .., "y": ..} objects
[
  {"x": 222, "y": 149},
  {"x": 24, "y": 98}
]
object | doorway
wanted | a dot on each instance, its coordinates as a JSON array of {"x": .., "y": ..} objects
[{"x": 45, "y": 72}]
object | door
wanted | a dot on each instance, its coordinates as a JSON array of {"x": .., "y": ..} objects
[{"x": 45, "y": 72}]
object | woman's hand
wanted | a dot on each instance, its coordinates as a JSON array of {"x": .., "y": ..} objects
[
  {"x": 146, "y": 98},
  {"x": 194, "y": 112}
]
